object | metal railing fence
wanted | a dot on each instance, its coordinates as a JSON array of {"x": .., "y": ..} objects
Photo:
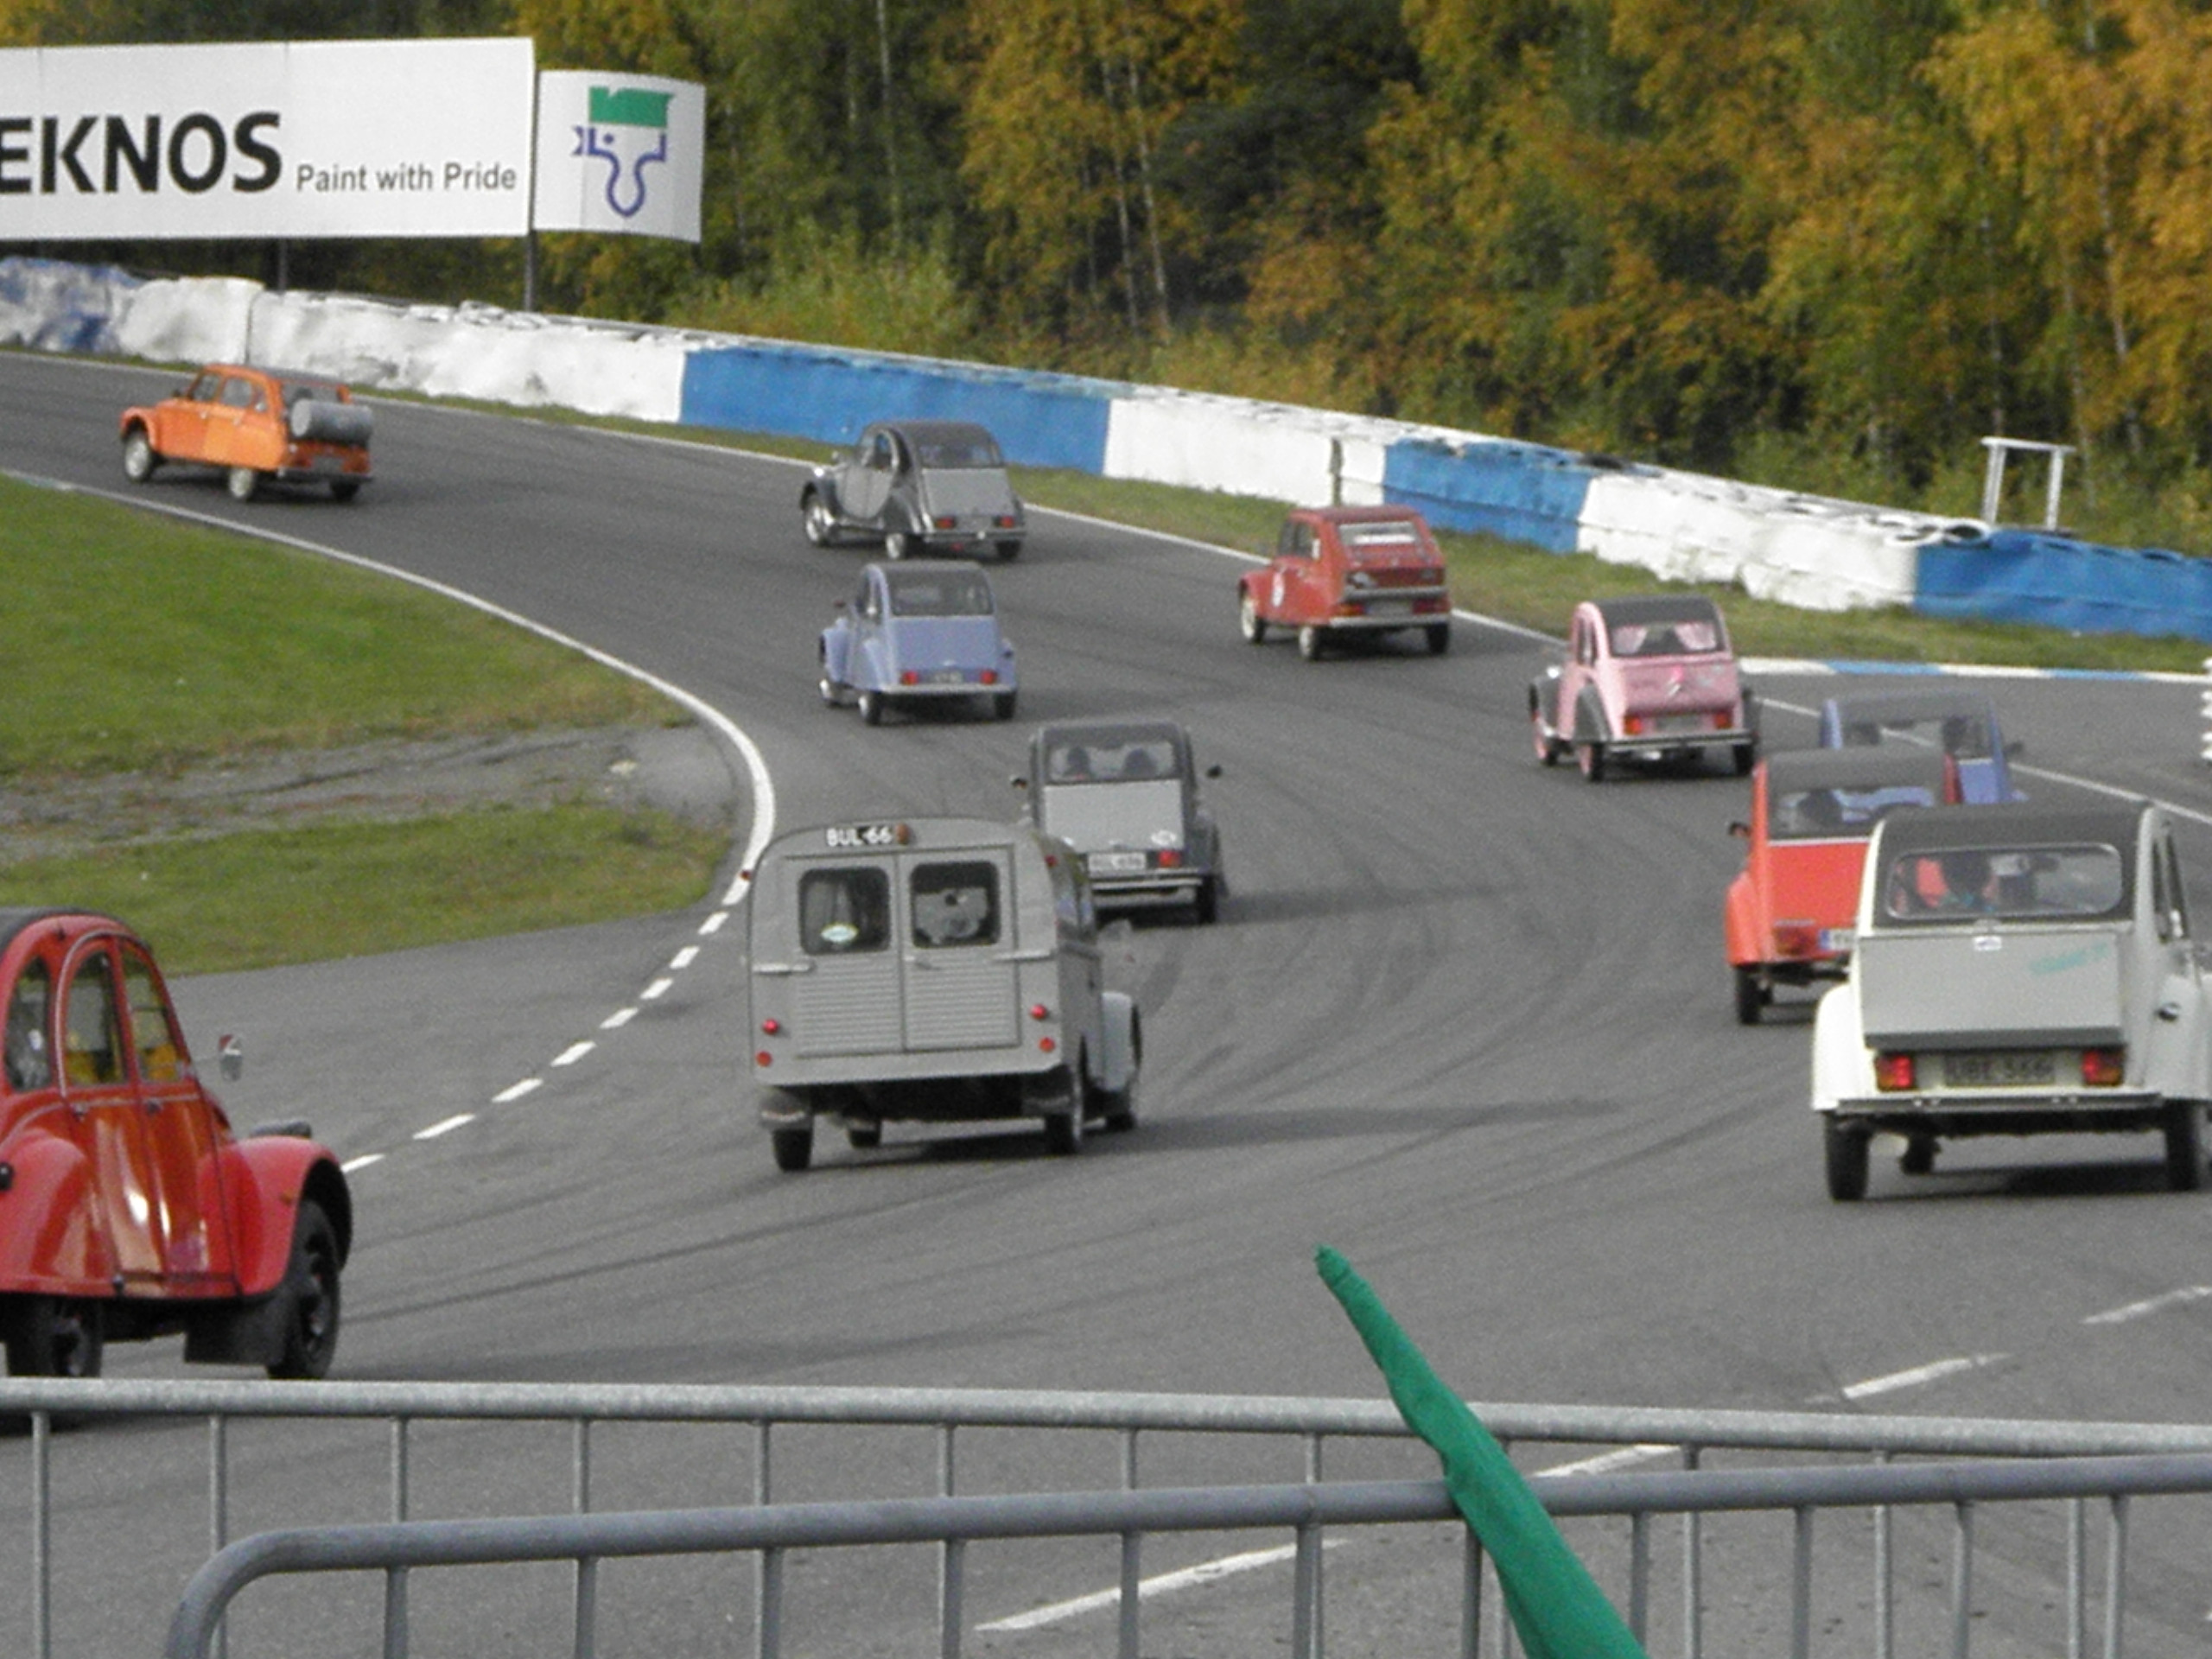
[{"x": 1683, "y": 1436}]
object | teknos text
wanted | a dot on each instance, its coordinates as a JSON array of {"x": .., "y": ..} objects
[{"x": 194, "y": 154}]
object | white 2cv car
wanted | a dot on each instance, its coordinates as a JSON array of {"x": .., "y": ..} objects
[
  {"x": 933, "y": 970},
  {"x": 2017, "y": 970}
]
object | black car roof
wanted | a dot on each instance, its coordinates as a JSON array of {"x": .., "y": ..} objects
[
  {"x": 1658, "y": 607},
  {"x": 1113, "y": 731},
  {"x": 1868, "y": 768},
  {"x": 939, "y": 430},
  {"x": 1939, "y": 829},
  {"x": 1913, "y": 705}
]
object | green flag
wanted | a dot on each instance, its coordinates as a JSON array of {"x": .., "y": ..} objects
[{"x": 1555, "y": 1604}]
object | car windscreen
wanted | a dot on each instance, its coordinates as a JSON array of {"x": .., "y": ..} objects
[
  {"x": 1965, "y": 736},
  {"x": 952, "y": 453},
  {"x": 2060, "y": 883},
  {"x": 934, "y": 593},
  {"x": 1684, "y": 638},
  {"x": 1105, "y": 759},
  {"x": 844, "y": 911},
  {"x": 1838, "y": 812}
]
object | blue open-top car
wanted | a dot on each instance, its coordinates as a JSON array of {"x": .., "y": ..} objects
[
  {"x": 919, "y": 631},
  {"x": 1960, "y": 723}
]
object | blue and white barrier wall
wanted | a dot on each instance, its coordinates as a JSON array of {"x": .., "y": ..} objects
[{"x": 1813, "y": 552}]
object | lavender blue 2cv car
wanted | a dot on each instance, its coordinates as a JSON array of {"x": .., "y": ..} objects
[
  {"x": 1647, "y": 678},
  {"x": 917, "y": 487},
  {"x": 920, "y": 631},
  {"x": 127, "y": 1209},
  {"x": 1948, "y": 720}
]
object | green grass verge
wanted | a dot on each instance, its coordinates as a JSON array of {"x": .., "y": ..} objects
[{"x": 266, "y": 898}]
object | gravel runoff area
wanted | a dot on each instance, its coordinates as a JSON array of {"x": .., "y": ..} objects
[{"x": 678, "y": 769}]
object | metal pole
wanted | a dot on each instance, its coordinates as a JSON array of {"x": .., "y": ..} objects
[
  {"x": 1884, "y": 1581},
  {"x": 951, "y": 1560},
  {"x": 1961, "y": 1580},
  {"x": 2077, "y": 1575},
  {"x": 768, "y": 1609},
  {"x": 1639, "y": 1576},
  {"x": 41, "y": 1535},
  {"x": 1320, "y": 1613},
  {"x": 1992, "y": 481},
  {"x": 1471, "y": 1596},
  {"x": 219, "y": 1499},
  {"x": 2115, "y": 1577},
  {"x": 1132, "y": 1554},
  {"x": 395, "y": 1578},
  {"x": 1801, "y": 1589},
  {"x": 1692, "y": 1571},
  {"x": 587, "y": 1567}
]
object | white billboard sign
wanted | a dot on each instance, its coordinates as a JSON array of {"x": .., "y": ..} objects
[
  {"x": 620, "y": 153},
  {"x": 338, "y": 138}
]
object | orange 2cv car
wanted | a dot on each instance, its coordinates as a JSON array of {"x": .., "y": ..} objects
[
  {"x": 128, "y": 1209},
  {"x": 1790, "y": 910},
  {"x": 254, "y": 425},
  {"x": 1342, "y": 573}
]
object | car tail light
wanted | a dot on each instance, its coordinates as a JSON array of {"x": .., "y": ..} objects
[
  {"x": 1895, "y": 1072},
  {"x": 1038, "y": 1011},
  {"x": 1005, "y": 521},
  {"x": 1170, "y": 858},
  {"x": 1045, "y": 1046},
  {"x": 1432, "y": 606},
  {"x": 1346, "y": 607},
  {"x": 944, "y": 521},
  {"x": 910, "y": 677},
  {"x": 764, "y": 1057},
  {"x": 772, "y": 1027},
  {"x": 1720, "y": 718},
  {"x": 2104, "y": 1068},
  {"x": 1797, "y": 938},
  {"x": 990, "y": 676},
  {"x": 1631, "y": 724}
]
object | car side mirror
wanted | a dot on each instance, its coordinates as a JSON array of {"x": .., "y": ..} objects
[
  {"x": 1738, "y": 828},
  {"x": 1213, "y": 771},
  {"x": 1018, "y": 781},
  {"x": 229, "y": 1058}
]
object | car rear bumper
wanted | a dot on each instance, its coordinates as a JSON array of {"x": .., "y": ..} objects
[
  {"x": 2085, "y": 1111},
  {"x": 1129, "y": 891},
  {"x": 1657, "y": 743}
]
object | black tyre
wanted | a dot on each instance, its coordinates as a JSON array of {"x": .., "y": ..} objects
[
  {"x": 793, "y": 1147},
  {"x": 1919, "y": 1157},
  {"x": 243, "y": 482},
  {"x": 1309, "y": 643},
  {"x": 1750, "y": 996},
  {"x": 1546, "y": 745},
  {"x": 1591, "y": 757},
  {"x": 53, "y": 1336},
  {"x": 1009, "y": 550},
  {"x": 1845, "y": 1147},
  {"x": 138, "y": 457},
  {"x": 1003, "y": 703},
  {"x": 899, "y": 543},
  {"x": 863, "y": 1137},
  {"x": 1439, "y": 638},
  {"x": 1745, "y": 756},
  {"x": 832, "y": 693},
  {"x": 345, "y": 489},
  {"x": 307, "y": 1302},
  {"x": 821, "y": 528},
  {"x": 1249, "y": 621},
  {"x": 1207, "y": 904},
  {"x": 1064, "y": 1126},
  {"x": 872, "y": 708},
  {"x": 2185, "y": 1128}
]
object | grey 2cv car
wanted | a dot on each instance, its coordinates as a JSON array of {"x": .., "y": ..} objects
[
  {"x": 916, "y": 486},
  {"x": 1125, "y": 795},
  {"x": 2017, "y": 970}
]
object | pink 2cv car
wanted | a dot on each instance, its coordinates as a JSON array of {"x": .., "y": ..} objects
[
  {"x": 127, "y": 1209},
  {"x": 1651, "y": 678},
  {"x": 1789, "y": 909}
]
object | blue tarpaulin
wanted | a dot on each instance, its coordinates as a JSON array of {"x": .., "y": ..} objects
[
  {"x": 1521, "y": 491},
  {"x": 2028, "y": 575}
]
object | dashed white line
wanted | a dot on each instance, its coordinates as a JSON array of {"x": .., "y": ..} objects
[
  {"x": 619, "y": 1019},
  {"x": 1164, "y": 1584},
  {"x": 2149, "y": 1305},
  {"x": 684, "y": 957},
  {"x": 653, "y": 991},
  {"x": 361, "y": 1162},
  {"x": 516, "y": 1090},
  {"x": 1933, "y": 1372},
  {"x": 574, "y": 1053},
  {"x": 714, "y": 923},
  {"x": 446, "y": 1127},
  {"x": 1606, "y": 1462}
]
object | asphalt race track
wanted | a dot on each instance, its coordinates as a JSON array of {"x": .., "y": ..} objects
[{"x": 1466, "y": 1019}]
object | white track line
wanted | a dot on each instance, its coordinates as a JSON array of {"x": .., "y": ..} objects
[
  {"x": 2151, "y": 1304},
  {"x": 446, "y": 1126},
  {"x": 516, "y": 1090},
  {"x": 1165, "y": 1584},
  {"x": 1934, "y": 1372}
]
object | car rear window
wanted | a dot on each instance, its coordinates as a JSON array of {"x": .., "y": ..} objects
[
  {"x": 1094, "y": 762},
  {"x": 955, "y": 904},
  {"x": 957, "y": 592},
  {"x": 844, "y": 911},
  {"x": 952, "y": 453},
  {"x": 1684, "y": 639},
  {"x": 2010, "y": 883},
  {"x": 1965, "y": 736},
  {"x": 1809, "y": 814},
  {"x": 1379, "y": 536}
]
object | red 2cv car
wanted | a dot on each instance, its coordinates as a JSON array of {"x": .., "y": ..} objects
[
  {"x": 1789, "y": 909},
  {"x": 128, "y": 1209},
  {"x": 1340, "y": 573},
  {"x": 1651, "y": 676},
  {"x": 253, "y": 425}
]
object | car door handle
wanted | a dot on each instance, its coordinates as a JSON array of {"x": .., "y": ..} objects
[{"x": 782, "y": 967}]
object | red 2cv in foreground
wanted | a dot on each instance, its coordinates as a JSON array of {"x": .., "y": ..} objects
[
  {"x": 1345, "y": 573},
  {"x": 128, "y": 1209},
  {"x": 1789, "y": 909},
  {"x": 1650, "y": 676}
]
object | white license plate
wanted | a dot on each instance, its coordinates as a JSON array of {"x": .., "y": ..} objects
[
  {"x": 1389, "y": 607},
  {"x": 1682, "y": 723},
  {"x": 2003, "y": 1068},
  {"x": 1116, "y": 863},
  {"x": 1837, "y": 939},
  {"x": 945, "y": 676},
  {"x": 329, "y": 464}
]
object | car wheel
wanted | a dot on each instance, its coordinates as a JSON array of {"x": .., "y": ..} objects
[
  {"x": 242, "y": 482},
  {"x": 308, "y": 1341},
  {"x": 821, "y": 527},
  {"x": 793, "y": 1147},
  {"x": 1309, "y": 643},
  {"x": 863, "y": 1137},
  {"x": 345, "y": 489},
  {"x": 1009, "y": 550},
  {"x": 1249, "y": 620},
  {"x": 1118, "y": 1113},
  {"x": 1845, "y": 1147},
  {"x": 1208, "y": 903},
  {"x": 1546, "y": 745},
  {"x": 1590, "y": 755},
  {"x": 55, "y": 1336},
  {"x": 1002, "y": 704},
  {"x": 832, "y": 693},
  {"x": 1439, "y": 638},
  {"x": 898, "y": 543},
  {"x": 1750, "y": 996},
  {"x": 1746, "y": 756},
  {"x": 138, "y": 457},
  {"x": 871, "y": 707},
  {"x": 1063, "y": 1124},
  {"x": 2185, "y": 1128},
  {"x": 1918, "y": 1156}
]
